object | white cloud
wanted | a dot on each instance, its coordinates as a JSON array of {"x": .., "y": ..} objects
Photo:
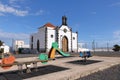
[
  {"x": 7, "y": 35},
  {"x": 116, "y": 34},
  {"x": 115, "y": 4},
  {"x": 1, "y": 14},
  {"x": 93, "y": 12},
  {"x": 12, "y": 1},
  {"x": 40, "y": 12},
  {"x": 11, "y": 10},
  {"x": 15, "y": 9},
  {"x": 15, "y": 1}
]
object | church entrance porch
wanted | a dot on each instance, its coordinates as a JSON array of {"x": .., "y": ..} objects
[{"x": 65, "y": 44}]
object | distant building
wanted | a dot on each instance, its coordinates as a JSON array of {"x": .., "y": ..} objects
[
  {"x": 19, "y": 44},
  {"x": 82, "y": 47},
  {"x": 5, "y": 48},
  {"x": 48, "y": 33}
]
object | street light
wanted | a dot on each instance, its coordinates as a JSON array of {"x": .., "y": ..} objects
[{"x": 93, "y": 46}]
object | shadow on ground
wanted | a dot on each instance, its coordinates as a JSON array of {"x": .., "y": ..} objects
[
  {"x": 112, "y": 73},
  {"x": 82, "y": 62},
  {"x": 14, "y": 75},
  {"x": 59, "y": 57}
]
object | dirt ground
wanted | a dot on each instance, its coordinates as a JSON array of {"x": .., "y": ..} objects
[
  {"x": 106, "y": 54},
  {"x": 112, "y": 73},
  {"x": 69, "y": 68}
]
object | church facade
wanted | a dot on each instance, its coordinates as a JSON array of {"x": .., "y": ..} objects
[{"x": 48, "y": 33}]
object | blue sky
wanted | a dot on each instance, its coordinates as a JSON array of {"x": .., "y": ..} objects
[{"x": 97, "y": 20}]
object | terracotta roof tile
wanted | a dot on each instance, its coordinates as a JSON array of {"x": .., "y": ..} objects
[{"x": 49, "y": 25}]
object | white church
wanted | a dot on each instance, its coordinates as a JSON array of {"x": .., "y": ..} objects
[{"x": 48, "y": 33}]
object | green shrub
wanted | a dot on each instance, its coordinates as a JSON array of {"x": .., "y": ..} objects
[{"x": 116, "y": 48}]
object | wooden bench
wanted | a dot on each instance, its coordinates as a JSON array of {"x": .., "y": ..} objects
[{"x": 27, "y": 64}]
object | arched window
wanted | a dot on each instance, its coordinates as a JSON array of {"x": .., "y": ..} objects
[
  {"x": 73, "y": 38},
  {"x": 51, "y": 36},
  {"x": 38, "y": 45}
]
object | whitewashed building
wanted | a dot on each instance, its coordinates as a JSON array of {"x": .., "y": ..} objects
[
  {"x": 5, "y": 48},
  {"x": 48, "y": 33},
  {"x": 19, "y": 44}
]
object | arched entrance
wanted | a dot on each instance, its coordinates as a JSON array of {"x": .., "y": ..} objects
[
  {"x": 65, "y": 44},
  {"x": 38, "y": 45},
  {"x": 32, "y": 42}
]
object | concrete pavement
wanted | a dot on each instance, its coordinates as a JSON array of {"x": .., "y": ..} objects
[{"x": 71, "y": 68}]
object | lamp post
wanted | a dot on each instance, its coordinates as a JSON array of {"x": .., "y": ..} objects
[
  {"x": 107, "y": 46},
  {"x": 93, "y": 46}
]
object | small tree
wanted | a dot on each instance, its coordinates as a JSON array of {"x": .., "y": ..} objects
[
  {"x": 1, "y": 43},
  {"x": 116, "y": 48},
  {"x": 1, "y": 49}
]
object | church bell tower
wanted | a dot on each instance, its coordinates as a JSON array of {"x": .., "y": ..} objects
[{"x": 64, "y": 20}]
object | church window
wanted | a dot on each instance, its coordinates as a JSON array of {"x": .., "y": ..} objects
[
  {"x": 51, "y": 36},
  {"x": 73, "y": 38},
  {"x": 65, "y": 30}
]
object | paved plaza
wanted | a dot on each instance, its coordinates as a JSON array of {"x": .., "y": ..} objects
[{"x": 63, "y": 68}]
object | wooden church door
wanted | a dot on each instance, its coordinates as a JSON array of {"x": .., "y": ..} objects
[{"x": 65, "y": 44}]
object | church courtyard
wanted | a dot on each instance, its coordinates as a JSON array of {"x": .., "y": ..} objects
[{"x": 62, "y": 68}]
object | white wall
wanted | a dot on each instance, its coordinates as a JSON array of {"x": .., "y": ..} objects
[
  {"x": 50, "y": 40},
  {"x": 74, "y": 42},
  {"x": 26, "y": 46},
  {"x": 17, "y": 44},
  {"x": 62, "y": 34},
  {"x": 40, "y": 35},
  {"x": 6, "y": 48}
]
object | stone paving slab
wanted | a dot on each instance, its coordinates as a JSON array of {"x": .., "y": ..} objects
[{"x": 73, "y": 70}]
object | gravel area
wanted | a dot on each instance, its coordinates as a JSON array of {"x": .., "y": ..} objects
[
  {"x": 106, "y": 54},
  {"x": 112, "y": 73}
]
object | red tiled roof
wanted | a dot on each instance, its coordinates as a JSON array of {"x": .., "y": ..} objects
[{"x": 49, "y": 25}]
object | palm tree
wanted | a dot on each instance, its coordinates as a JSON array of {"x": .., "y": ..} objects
[{"x": 1, "y": 43}]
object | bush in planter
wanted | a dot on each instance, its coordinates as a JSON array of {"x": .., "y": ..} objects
[{"x": 116, "y": 48}]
